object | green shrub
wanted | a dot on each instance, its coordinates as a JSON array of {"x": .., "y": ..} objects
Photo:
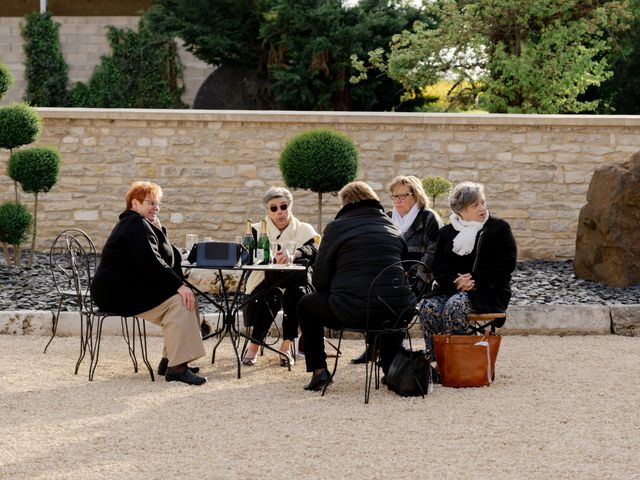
[
  {"x": 6, "y": 79},
  {"x": 36, "y": 169},
  {"x": 15, "y": 220},
  {"x": 320, "y": 160},
  {"x": 435, "y": 187},
  {"x": 144, "y": 71},
  {"x": 45, "y": 68},
  {"x": 19, "y": 125}
]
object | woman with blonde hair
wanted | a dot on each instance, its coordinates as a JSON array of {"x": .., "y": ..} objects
[{"x": 356, "y": 246}]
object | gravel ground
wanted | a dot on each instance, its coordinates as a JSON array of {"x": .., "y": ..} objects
[{"x": 534, "y": 283}]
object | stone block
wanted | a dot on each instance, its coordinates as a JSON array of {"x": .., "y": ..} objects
[
  {"x": 625, "y": 320},
  {"x": 558, "y": 319}
]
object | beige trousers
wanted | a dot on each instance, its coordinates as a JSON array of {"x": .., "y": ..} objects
[{"x": 181, "y": 330}]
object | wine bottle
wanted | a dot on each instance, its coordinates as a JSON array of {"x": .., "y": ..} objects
[
  {"x": 263, "y": 244},
  {"x": 249, "y": 243}
]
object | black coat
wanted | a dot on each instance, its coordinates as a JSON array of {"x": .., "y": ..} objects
[
  {"x": 139, "y": 268},
  {"x": 355, "y": 247},
  {"x": 496, "y": 260}
]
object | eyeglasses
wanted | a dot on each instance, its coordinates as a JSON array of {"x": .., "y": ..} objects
[
  {"x": 401, "y": 196},
  {"x": 283, "y": 207},
  {"x": 153, "y": 203}
]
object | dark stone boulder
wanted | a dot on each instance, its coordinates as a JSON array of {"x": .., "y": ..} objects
[{"x": 608, "y": 238}]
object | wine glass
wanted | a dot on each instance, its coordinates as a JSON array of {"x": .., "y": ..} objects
[
  {"x": 290, "y": 248},
  {"x": 273, "y": 250}
]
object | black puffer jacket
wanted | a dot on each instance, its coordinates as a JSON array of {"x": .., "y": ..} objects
[
  {"x": 139, "y": 268},
  {"x": 496, "y": 253},
  {"x": 355, "y": 247}
]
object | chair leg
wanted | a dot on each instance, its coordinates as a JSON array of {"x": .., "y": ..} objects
[
  {"x": 370, "y": 369},
  {"x": 131, "y": 342},
  {"x": 335, "y": 364},
  {"x": 95, "y": 351},
  {"x": 54, "y": 325},
  {"x": 86, "y": 335},
  {"x": 142, "y": 334}
]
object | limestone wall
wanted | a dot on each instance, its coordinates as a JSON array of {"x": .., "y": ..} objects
[
  {"x": 83, "y": 41},
  {"x": 215, "y": 165}
]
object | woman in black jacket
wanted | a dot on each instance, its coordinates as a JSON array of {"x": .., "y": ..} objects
[
  {"x": 355, "y": 248},
  {"x": 140, "y": 274},
  {"x": 475, "y": 256}
]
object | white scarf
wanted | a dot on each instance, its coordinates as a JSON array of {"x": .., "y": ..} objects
[
  {"x": 405, "y": 222},
  {"x": 297, "y": 231},
  {"x": 465, "y": 240}
]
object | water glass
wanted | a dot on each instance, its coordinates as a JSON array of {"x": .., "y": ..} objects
[{"x": 192, "y": 239}]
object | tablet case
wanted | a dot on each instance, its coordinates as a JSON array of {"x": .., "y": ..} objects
[{"x": 216, "y": 254}]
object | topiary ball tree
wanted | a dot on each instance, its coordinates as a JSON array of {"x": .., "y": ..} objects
[
  {"x": 6, "y": 79},
  {"x": 321, "y": 160},
  {"x": 19, "y": 125},
  {"x": 15, "y": 221},
  {"x": 36, "y": 169}
]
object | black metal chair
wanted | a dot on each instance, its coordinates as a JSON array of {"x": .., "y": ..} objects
[
  {"x": 400, "y": 275},
  {"x": 60, "y": 263}
]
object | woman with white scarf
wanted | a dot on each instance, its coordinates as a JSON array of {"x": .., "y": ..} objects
[
  {"x": 474, "y": 258},
  {"x": 282, "y": 227},
  {"x": 419, "y": 226}
]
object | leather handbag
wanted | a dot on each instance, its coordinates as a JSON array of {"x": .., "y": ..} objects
[
  {"x": 466, "y": 360},
  {"x": 409, "y": 374}
]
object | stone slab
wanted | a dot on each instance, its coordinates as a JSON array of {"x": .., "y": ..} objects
[
  {"x": 558, "y": 319},
  {"x": 625, "y": 320}
]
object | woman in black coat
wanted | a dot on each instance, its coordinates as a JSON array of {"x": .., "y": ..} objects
[
  {"x": 475, "y": 256},
  {"x": 140, "y": 274},
  {"x": 419, "y": 226},
  {"x": 355, "y": 248}
]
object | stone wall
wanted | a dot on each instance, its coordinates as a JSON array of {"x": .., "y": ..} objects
[
  {"x": 83, "y": 41},
  {"x": 215, "y": 165}
]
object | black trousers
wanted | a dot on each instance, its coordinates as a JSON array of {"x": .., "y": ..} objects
[
  {"x": 314, "y": 314},
  {"x": 262, "y": 310}
]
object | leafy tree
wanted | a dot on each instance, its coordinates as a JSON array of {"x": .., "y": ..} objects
[
  {"x": 537, "y": 56},
  {"x": 6, "y": 79},
  {"x": 45, "y": 68},
  {"x": 320, "y": 160},
  {"x": 302, "y": 46},
  {"x": 36, "y": 169},
  {"x": 144, "y": 71},
  {"x": 15, "y": 221}
]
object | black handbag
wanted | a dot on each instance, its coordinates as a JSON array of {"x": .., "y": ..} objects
[{"x": 409, "y": 374}]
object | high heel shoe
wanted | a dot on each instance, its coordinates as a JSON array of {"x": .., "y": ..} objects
[
  {"x": 289, "y": 355},
  {"x": 250, "y": 361},
  {"x": 318, "y": 381}
]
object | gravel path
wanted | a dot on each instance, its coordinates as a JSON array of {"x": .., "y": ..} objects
[{"x": 534, "y": 283}]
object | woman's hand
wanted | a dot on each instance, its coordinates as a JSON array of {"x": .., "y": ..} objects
[
  {"x": 188, "y": 298},
  {"x": 464, "y": 282},
  {"x": 156, "y": 223},
  {"x": 281, "y": 256}
]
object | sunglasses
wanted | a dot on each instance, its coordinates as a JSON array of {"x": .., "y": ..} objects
[{"x": 283, "y": 207}]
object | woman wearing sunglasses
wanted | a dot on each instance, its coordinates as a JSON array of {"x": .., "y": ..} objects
[{"x": 269, "y": 297}]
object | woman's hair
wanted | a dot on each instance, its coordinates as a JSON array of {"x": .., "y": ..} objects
[
  {"x": 142, "y": 190},
  {"x": 415, "y": 187},
  {"x": 356, "y": 192},
  {"x": 277, "y": 192},
  {"x": 464, "y": 194}
]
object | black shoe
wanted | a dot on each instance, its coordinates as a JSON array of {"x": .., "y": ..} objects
[
  {"x": 164, "y": 363},
  {"x": 435, "y": 375},
  {"x": 318, "y": 381},
  {"x": 362, "y": 358},
  {"x": 185, "y": 377},
  {"x": 383, "y": 380}
]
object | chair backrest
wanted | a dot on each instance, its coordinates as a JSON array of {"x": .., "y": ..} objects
[
  {"x": 72, "y": 259},
  {"x": 391, "y": 295}
]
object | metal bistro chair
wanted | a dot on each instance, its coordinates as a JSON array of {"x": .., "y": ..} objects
[
  {"x": 62, "y": 274},
  {"x": 400, "y": 275}
]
